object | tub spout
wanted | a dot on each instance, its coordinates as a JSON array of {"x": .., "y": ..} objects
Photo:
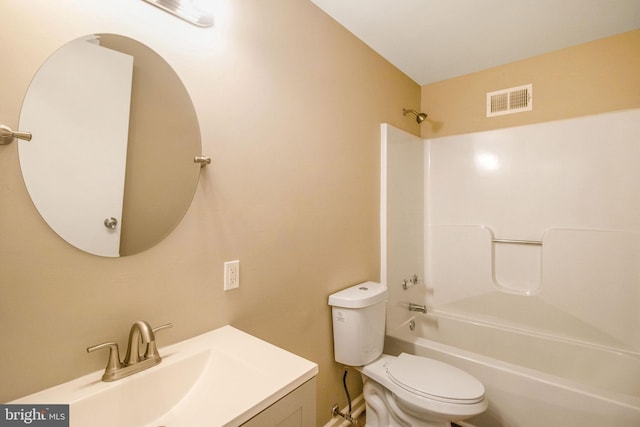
[{"x": 417, "y": 307}]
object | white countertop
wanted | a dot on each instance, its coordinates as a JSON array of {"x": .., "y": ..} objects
[{"x": 220, "y": 378}]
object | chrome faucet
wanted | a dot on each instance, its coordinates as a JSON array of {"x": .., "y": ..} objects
[{"x": 141, "y": 332}]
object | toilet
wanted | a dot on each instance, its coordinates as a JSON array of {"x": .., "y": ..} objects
[{"x": 404, "y": 390}]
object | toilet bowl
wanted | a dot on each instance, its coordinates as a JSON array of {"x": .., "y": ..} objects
[
  {"x": 404, "y": 390},
  {"x": 419, "y": 392}
]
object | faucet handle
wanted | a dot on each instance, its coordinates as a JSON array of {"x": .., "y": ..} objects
[
  {"x": 161, "y": 327},
  {"x": 113, "y": 363},
  {"x": 152, "y": 349}
]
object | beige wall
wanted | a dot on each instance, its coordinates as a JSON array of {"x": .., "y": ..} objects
[
  {"x": 289, "y": 105},
  {"x": 586, "y": 79}
]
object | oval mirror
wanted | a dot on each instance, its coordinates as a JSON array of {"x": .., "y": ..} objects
[{"x": 110, "y": 166}]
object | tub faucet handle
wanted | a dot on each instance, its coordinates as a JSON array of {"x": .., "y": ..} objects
[{"x": 412, "y": 281}]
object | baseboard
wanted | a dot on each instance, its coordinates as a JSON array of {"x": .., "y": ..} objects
[{"x": 357, "y": 408}]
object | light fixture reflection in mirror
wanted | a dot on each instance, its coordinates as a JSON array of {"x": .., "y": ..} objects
[
  {"x": 162, "y": 137},
  {"x": 188, "y": 10}
]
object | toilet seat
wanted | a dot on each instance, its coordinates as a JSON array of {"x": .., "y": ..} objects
[
  {"x": 434, "y": 380},
  {"x": 419, "y": 387}
]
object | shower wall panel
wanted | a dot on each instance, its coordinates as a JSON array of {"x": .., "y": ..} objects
[
  {"x": 402, "y": 217},
  {"x": 565, "y": 196}
]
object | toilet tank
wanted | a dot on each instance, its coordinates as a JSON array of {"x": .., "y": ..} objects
[{"x": 358, "y": 323}]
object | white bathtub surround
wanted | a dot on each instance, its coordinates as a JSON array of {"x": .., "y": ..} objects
[
  {"x": 563, "y": 299},
  {"x": 572, "y": 185},
  {"x": 402, "y": 192}
]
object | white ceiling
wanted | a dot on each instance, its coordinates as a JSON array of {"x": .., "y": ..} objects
[{"x": 433, "y": 40}]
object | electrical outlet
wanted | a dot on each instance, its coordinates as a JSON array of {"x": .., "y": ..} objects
[{"x": 231, "y": 275}]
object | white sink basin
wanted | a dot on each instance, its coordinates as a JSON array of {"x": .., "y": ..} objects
[{"x": 221, "y": 378}]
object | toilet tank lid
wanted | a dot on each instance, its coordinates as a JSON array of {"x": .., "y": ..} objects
[{"x": 359, "y": 296}]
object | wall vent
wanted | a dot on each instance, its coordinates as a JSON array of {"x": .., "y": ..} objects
[{"x": 509, "y": 101}]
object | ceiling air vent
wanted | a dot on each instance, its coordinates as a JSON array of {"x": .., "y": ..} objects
[{"x": 509, "y": 101}]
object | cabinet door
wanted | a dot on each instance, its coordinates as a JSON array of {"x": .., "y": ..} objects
[{"x": 296, "y": 409}]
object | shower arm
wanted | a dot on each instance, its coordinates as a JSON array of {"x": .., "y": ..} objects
[{"x": 420, "y": 117}]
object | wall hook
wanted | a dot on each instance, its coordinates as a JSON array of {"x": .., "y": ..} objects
[
  {"x": 7, "y": 135},
  {"x": 203, "y": 160}
]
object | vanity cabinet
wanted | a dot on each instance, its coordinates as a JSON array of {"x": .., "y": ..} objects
[{"x": 296, "y": 409}]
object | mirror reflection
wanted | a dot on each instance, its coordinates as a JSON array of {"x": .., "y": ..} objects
[{"x": 110, "y": 166}]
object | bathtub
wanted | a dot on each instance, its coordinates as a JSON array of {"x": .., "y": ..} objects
[{"x": 530, "y": 381}]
